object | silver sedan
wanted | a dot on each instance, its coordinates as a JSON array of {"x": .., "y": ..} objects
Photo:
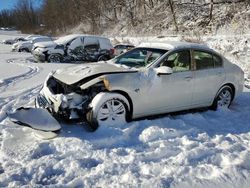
[{"x": 153, "y": 78}]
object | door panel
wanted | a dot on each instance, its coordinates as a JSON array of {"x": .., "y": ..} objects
[
  {"x": 207, "y": 83},
  {"x": 171, "y": 92},
  {"x": 176, "y": 90},
  {"x": 208, "y": 77},
  {"x": 164, "y": 93}
]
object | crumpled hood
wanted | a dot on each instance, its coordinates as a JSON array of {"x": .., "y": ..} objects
[
  {"x": 48, "y": 44},
  {"x": 74, "y": 74}
]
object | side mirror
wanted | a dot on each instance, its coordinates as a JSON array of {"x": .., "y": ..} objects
[{"x": 163, "y": 70}]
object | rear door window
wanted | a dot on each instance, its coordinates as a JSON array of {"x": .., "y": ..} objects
[
  {"x": 217, "y": 61},
  {"x": 206, "y": 60},
  {"x": 203, "y": 60}
]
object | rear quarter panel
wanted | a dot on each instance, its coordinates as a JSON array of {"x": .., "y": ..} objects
[{"x": 234, "y": 75}]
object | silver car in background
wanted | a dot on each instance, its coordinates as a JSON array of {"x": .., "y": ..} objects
[
  {"x": 153, "y": 78},
  {"x": 19, "y": 39},
  {"x": 26, "y": 46}
]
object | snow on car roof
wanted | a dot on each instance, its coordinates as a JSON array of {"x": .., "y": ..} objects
[
  {"x": 65, "y": 39},
  {"x": 41, "y": 37},
  {"x": 170, "y": 45},
  {"x": 32, "y": 36}
]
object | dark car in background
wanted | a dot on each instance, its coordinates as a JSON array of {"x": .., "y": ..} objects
[
  {"x": 122, "y": 48},
  {"x": 76, "y": 47}
]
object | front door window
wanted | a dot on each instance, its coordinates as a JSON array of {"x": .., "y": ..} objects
[{"x": 178, "y": 61}]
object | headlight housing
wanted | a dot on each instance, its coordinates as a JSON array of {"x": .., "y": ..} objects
[{"x": 106, "y": 84}]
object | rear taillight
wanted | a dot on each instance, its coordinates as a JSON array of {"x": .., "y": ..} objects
[{"x": 112, "y": 51}]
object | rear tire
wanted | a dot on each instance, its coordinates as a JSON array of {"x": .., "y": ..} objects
[{"x": 223, "y": 98}]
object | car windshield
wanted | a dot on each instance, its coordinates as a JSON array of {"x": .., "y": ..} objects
[{"x": 139, "y": 57}]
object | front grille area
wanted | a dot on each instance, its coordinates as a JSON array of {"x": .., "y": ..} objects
[{"x": 42, "y": 101}]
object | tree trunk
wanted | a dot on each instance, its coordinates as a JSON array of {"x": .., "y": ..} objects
[
  {"x": 211, "y": 11},
  {"x": 171, "y": 4}
]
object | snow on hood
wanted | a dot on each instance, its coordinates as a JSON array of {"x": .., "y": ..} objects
[
  {"x": 47, "y": 44},
  {"x": 74, "y": 74}
]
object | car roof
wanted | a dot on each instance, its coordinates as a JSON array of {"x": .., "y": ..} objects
[
  {"x": 82, "y": 35},
  {"x": 124, "y": 45},
  {"x": 40, "y": 37},
  {"x": 171, "y": 45},
  {"x": 32, "y": 36},
  {"x": 68, "y": 38}
]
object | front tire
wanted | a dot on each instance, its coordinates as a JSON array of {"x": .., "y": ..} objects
[
  {"x": 55, "y": 58},
  {"x": 23, "y": 50},
  {"x": 108, "y": 109},
  {"x": 223, "y": 98}
]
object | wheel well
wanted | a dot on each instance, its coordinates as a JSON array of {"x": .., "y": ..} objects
[
  {"x": 232, "y": 87},
  {"x": 55, "y": 54},
  {"x": 46, "y": 55},
  {"x": 104, "y": 55},
  {"x": 24, "y": 48},
  {"x": 129, "y": 100}
]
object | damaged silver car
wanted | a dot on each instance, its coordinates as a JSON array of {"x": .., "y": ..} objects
[{"x": 154, "y": 78}]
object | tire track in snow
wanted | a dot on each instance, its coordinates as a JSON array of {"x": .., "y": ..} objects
[
  {"x": 33, "y": 70},
  {"x": 25, "y": 98}
]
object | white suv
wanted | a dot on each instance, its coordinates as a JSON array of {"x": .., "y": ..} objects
[{"x": 74, "y": 48}]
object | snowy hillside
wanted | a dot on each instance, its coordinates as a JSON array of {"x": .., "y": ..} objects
[{"x": 189, "y": 149}]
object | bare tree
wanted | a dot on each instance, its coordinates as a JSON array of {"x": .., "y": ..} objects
[
  {"x": 25, "y": 15},
  {"x": 171, "y": 4},
  {"x": 211, "y": 11}
]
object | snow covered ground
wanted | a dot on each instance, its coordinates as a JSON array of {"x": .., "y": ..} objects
[{"x": 196, "y": 149}]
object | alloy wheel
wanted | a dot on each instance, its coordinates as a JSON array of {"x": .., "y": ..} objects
[
  {"x": 224, "y": 98},
  {"x": 54, "y": 58},
  {"x": 112, "y": 112}
]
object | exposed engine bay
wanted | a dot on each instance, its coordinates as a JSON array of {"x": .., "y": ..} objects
[{"x": 68, "y": 101}]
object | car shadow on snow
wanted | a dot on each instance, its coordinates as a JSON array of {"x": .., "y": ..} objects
[{"x": 235, "y": 120}]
